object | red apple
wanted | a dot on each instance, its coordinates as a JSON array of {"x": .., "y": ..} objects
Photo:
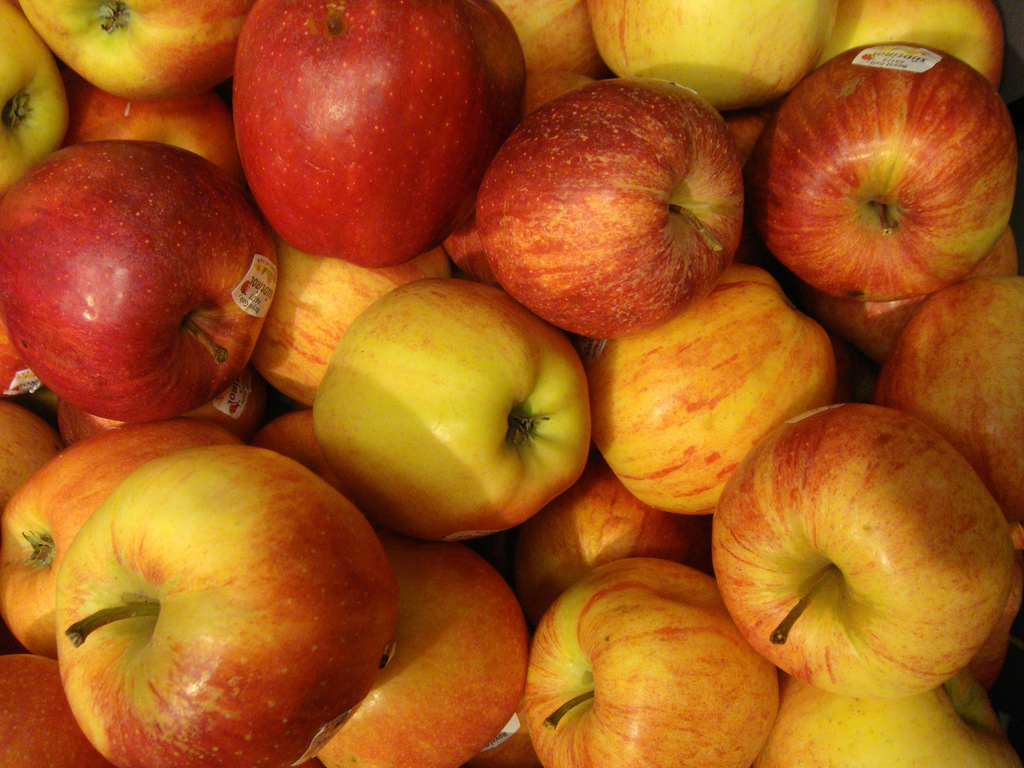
[
  {"x": 593, "y": 522},
  {"x": 200, "y": 122},
  {"x": 613, "y": 206},
  {"x": 365, "y": 127},
  {"x": 857, "y": 549},
  {"x": 958, "y": 364},
  {"x": 458, "y": 668},
  {"x": 291, "y": 434},
  {"x": 17, "y": 377},
  {"x": 42, "y": 517},
  {"x": 37, "y": 727},
  {"x": 886, "y": 173},
  {"x": 150, "y": 274},
  {"x": 315, "y": 300}
]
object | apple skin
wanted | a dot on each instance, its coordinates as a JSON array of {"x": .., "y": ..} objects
[
  {"x": 735, "y": 54},
  {"x": 43, "y": 515},
  {"x": 374, "y": 175},
  {"x": 146, "y": 49},
  {"x": 35, "y": 106},
  {"x": 971, "y": 30},
  {"x": 200, "y": 122},
  {"x": 291, "y": 433},
  {"x": 729, "y": 370},
  {"x": 152, "y": 239},
  {"x": 673, "y": 681},
  {"x": 476, "y": 457},
  {"x": 276, "y": 602},
  {"x": 950, "y": 726},
  {"x": 958, "y": 364},
  {"x": 875, "y": 533},
  {"x": 593, "y": 522},
  {"x": 37, "y": 727},
  {"x": 872, "y": 326},
  {"x": 987, "y": 664},
  {"x": 613, "y": 207},
  {"x": 315, "y": 300},
  {"x": 458, "y": 669},
  {"x": 896, "y": 206},
  {"x": 555, "y": 35},
  {"x": 27, "y": 441},
  {"x": 240, "y": 409}
]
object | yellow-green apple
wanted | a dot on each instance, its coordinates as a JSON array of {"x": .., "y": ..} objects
[
  {"x": 37, "y": 727},
  {"x": 987, "y": 664},
  {"x": 958, "y": 364},
  {"x": 27, "y": 441},
  {"x": 555, "y": 35},
  {"x": 872, "y": 326},
  {"x": 150, "y": 276},
  {"x": 315, "y": 300},
  {"x": 614, "y": 206},
  {"x": 200, "y": 122},
  {"x": 458, "y": 668},
  {"x": 291, "y": 434},
  {"x": 896, "y": 206},
  {"x": 42, "y": 517},
  {"x": 950, "y": 726},
  {"x": 729, "y": 369},
  {"x": 638, "y": 663},
  {"x": 971, "y": 30},
  {"x": 33, "y": 104},
  {"x": 858, "y": 550},
  {"x": 450, "y": 410},
  {"x": 240, "y": 409},
  {"x": 593, "y": 522},
  {"x": 143, "y": 49},
  {"x": 364, "y": 128},
  {"x": 735, "y": 54},
  {"x": 223, "y": 606}
]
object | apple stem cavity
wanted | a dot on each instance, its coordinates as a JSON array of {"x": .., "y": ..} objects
[
  {"x": 780, "y": 634},
  {"x": 706, "y": 235},
  {"x": 520, "y": 427},
  {"x": 42, "y": 549},
  {"x": 82, "y": 628},
  {"x": 114, "y": 16},
  {"x": 220, "y": 355},
  {"x": 886, "y": 214},
  {"x": 552, "y": 720},
  {"x": 15, "y": 110}
]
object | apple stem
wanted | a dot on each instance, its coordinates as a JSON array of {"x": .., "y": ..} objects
[
  {"x": 220, "y": 355},
  {"x": 553, "y": 719},
  {"x": 42, "y": 549},
  {"x": 15, "y": 110},
  {"x": 885, "y": 215},
  {"x": 706, "y": 235},
  {"x": 781, "y": 633},
  {"x": 82, "y": 628}
]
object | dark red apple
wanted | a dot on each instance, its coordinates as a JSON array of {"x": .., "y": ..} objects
[
  {"x": 365, "y": 127},
  {"x": 134, "y": 277}
]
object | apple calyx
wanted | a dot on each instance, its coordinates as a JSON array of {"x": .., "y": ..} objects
[
  {"x": 113, "y": 16},
  {"x": 15, "y": 110},
  {"x": 552, "y": 720},
  {"x": 780, "y": 634},
  {"x": 82, "y": 628},
  {"x": 220, "y": 355},
  {"x": 521, "y": 426},
  {"x": 706, "y": 235},
  {"x": 42, "y": 549}
]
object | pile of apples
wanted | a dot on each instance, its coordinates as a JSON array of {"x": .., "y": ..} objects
[{"x": 507, "y": 384}]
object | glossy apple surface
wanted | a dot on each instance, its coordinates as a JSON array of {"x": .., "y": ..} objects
[
  {"x": 613, "y": 207},
  {"x": 893, "y": 207},
  {"x": 858, "y": 550},
  {"x": 450, "y": 410},
  {"x": 364, "y": 128},
  {"x": 150, "y": 276},
  {"x": 223, "y": 605}
]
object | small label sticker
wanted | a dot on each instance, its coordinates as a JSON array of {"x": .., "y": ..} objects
[
  {"x": 811, "y": 412},
  {"x": 232, "y": 400},
  {"x": 903, "y": 57},
  {"x": 510, "y": 728},
  {"x": 256, "y": 290},
  {"x": 25, "y": 382}
]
